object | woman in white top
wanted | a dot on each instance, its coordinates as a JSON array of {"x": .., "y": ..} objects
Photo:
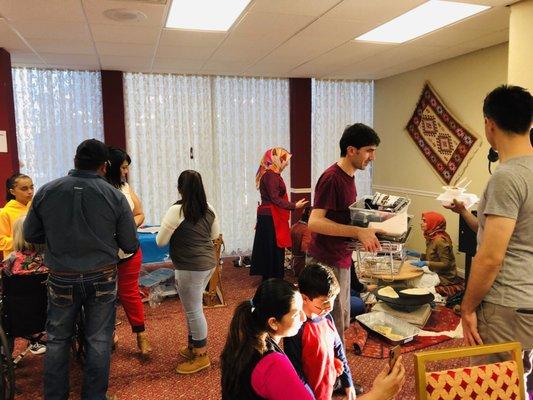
[
  {"x": 190, "y": 226},
  {"x": 129, "y": 265}
]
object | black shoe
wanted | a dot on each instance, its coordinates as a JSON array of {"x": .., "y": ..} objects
[
  {"x": 358, "y": 389},
  {"x": 339, "y": 390}
]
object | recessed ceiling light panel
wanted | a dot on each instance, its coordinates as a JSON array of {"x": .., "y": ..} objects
[
  {"x": 421, "y": 20},
  {"x": 205, "y": 15}
]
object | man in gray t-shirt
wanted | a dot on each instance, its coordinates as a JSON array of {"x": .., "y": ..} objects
[
  {"x": 498, "y": 302},
  {"x": 509, "y": 194}
]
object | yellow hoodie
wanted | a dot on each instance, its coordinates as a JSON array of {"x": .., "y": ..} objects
[{"x": 12, "y": 211}]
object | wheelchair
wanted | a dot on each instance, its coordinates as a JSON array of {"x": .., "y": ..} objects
[{"x": 23, "y": 306}]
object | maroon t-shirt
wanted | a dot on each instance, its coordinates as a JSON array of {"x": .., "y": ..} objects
[
  {"x": 335, "y": 192},
  {"x": 272, "y": 189}
]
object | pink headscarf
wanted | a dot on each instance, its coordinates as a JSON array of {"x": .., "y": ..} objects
[{"x": 274, "y": 159}]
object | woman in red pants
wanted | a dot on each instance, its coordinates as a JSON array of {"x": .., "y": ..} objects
[{"x": 129, "y": 265}]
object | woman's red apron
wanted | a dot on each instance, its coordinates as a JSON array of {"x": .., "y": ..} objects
[{"x": 281, "y": 217}]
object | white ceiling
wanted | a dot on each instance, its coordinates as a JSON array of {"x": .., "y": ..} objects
[{"x": 275, "y": 38}]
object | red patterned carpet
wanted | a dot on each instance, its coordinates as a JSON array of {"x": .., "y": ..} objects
[{"x": 132, "y": 379}]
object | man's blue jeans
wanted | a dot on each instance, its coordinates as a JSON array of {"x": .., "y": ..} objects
[{"x": 67, "y": 295}]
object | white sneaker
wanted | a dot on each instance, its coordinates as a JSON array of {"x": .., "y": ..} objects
[{"x": 37, "y": 348}]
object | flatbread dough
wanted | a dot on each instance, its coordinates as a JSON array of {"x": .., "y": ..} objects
[
  {"x": 415, "y": 291},
  {"x": 388, "y": 291},
  {"x": 383, "y": 329},
  {"x": 387, "y": 331}
]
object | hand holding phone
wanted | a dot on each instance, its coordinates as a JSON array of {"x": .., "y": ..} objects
[{"x": 394, "y": 353}]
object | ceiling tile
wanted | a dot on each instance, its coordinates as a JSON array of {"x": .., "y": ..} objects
[
  {"x": 264, "y": 23},
  {"x": 124, "y": 34},
  {"x": 348, "y": 54},
  {"x": 82, "y": 61},
  {"x": 388, "y": 58},
  {"x": 493, "y": 3},
  {"x": 494, "y": 19},
  {"x": 125, "y": 49},
  {"x": 376, "y": 11},
  {"x": 317, "y": 39},
  {"x": 469, "y": 29},
  {"x": 184, "y": 52},
  {"x": 25, "y": 58},
  {"x": 62, "y": 47},
  {"x": 155, "y": 13},
  {"x": 38, "y": 10},
  {"x": 177, "y": 37},
  {"x": 125, "y": 63},
  {"x": 9, "y": 40},
  {"x": 53, "y": 30},
  {"x": 242, "y": 50},
  {"x": 226, "y": 67},
  {"x": 312, "y": 8},
  {"x": 484, "y": 41},
  {"x": 176, "y": 64},
  {"x": 171, "y": 70},
  {"x": 267, "y": 68}
]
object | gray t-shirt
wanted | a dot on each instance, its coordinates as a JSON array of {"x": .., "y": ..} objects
[{"x": 509, "y": 193}]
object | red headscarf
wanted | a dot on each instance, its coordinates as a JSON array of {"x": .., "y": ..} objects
[{"x": 435, "y": 226}]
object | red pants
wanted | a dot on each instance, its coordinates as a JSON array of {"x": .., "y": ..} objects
[{"x": 128, "y": 290}]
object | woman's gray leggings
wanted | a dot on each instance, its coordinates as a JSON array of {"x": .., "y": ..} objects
[{"x": 191, "y": 286}]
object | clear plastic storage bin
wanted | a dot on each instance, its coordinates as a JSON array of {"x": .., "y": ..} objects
[{"x": 362, "y": 216}]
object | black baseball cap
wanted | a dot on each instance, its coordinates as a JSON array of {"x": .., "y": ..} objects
[{"x": 92, "y": 151}]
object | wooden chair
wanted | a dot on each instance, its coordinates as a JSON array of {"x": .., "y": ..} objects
[
  {"x": 214, "y": 295},
  {"x": 500, "y": 380}
]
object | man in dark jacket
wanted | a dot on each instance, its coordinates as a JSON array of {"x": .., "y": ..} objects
[{"x": 84, "y": 221}]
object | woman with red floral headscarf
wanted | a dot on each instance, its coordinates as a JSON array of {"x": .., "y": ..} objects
[
  {"x": 439, "y": 255},
  {"x": 272, "y": 232}
]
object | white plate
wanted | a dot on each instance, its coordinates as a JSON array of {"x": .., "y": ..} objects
[{"x": 468, "y": 199}]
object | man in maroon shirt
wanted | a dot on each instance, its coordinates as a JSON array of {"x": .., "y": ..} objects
[{"x": 330, "y": 219}]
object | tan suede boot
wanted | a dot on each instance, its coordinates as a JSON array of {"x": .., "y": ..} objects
[
  {"x": 199, "y": 362},
  {"x": 186, "y": 352},
  {"x": 143, "y": 344}
]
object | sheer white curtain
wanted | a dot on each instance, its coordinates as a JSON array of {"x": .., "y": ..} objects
[
  {"x": 336, "y": 104},
  {"x": 228, "y": 122},
  {"x": 251, "y": 115},
  {"x": 168, "y": 121},
  {"x": 55, "y": 110}
]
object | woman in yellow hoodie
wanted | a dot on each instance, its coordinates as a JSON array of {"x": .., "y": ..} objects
[{"x": 19, "y": 192}]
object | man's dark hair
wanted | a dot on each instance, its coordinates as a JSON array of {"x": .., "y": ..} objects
[
  {"x": 510, "y": 107},
  {"x": 358, "y": 135},
  {"x": 90, "y": 155},
  {"x": 318, "y": 280}
]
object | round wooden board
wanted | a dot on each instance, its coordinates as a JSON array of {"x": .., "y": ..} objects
[{"x": 407, "y": 271}]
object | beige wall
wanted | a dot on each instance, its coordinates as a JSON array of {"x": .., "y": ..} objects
[
  {"x": 462, "y": 84},
  {"x": 520, "y": 44}
]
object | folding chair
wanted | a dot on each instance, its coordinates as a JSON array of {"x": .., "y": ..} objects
[{"x": 499, "y": 380}]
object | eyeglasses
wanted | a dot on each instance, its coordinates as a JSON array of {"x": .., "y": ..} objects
[
  {"x": 325, "y": 306},
  {"x": 108, "y": 164}
]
